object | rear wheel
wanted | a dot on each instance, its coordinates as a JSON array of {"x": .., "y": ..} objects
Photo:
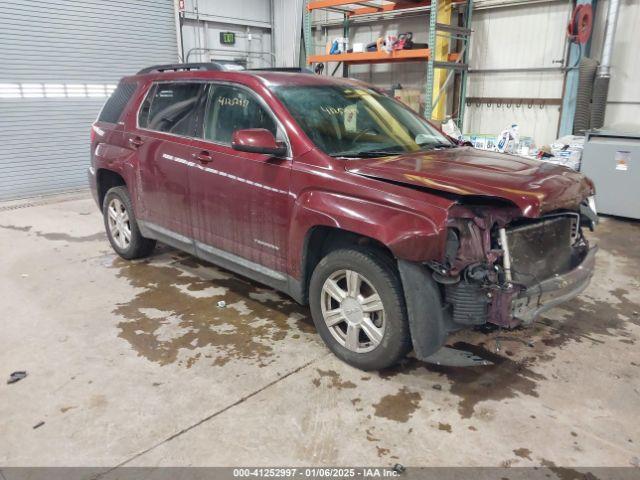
[
  {"x": 122, "y": 228},
  {"x": 358, "y": 308}
]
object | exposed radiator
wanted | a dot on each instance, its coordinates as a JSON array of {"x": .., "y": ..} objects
[{"x": 540, "y": 250}]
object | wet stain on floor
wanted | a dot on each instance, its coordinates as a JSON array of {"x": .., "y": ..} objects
[
  {"x": 506, "y": 378},
  {"x": 334, "y": 380},
  {"x": 587, "y": 318},
  {"x": 445, "y": 427},
  {"x": 57, "y": 235},
  {"x": 564, "y": 473},
  {"x": 399, "y": 406},
  {"x": 371, "y": 436},
  {"x": 616, "y": 237},
  {"x": 175, "y": 314},
  {"x": 522, "y": 453},
  {"x": 382, "y": 452},
  {"x": 16, "y": 228},
  {"x": 70, "y": 238}
]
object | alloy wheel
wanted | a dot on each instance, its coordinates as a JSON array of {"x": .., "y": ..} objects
[
  {"x": 119, "y": 223},
  {"x": 353, "y": 311}
]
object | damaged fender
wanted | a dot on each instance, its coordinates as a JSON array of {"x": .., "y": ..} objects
[{"x": 408, "y": 235}]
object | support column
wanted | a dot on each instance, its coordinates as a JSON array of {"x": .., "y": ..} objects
[
  {"x": 428, "y": 90},
  {"x": 465, "y": 75},
  {"x": 441, "y": 54},
  {"x": 306, "y": 30}
]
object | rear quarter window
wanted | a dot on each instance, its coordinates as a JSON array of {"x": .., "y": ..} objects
[{"x": 116, "y": 103}]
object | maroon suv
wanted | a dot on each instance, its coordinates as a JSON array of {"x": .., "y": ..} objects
[{"x": 343, "y": 198}]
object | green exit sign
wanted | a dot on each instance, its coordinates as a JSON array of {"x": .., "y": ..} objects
[{"x": 227, "y": 38}]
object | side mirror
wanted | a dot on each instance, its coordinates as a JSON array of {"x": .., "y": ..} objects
[{"x": 257, "y": 140}]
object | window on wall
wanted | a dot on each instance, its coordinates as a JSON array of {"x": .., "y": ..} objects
[
  {"x": 171, "y": 108},
  {"x": 233, "y": 108}
]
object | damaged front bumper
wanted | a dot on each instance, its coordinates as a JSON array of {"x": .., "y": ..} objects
[{"x": 536, "y": 299}]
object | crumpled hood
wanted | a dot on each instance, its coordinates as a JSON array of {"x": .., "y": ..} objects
[{"x": 533, "y": 186}]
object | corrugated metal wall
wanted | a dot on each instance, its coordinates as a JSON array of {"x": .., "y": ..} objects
[
  {"x": 518, "y": 37},
  {"x": 250, "y": 20},
  {"x": 201, "y": 40},
  {"x": 60, "y": 59}
]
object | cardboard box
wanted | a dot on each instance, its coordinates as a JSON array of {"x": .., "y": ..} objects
[{"x": 412, "y": 97}]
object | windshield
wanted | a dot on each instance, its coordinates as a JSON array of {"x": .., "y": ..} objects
[{"x": 351, "y": 121}]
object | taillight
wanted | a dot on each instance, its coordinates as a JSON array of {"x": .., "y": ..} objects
[{"x": 92, "y": 134}]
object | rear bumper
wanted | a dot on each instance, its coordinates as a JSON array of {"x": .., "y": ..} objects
[
  {"x": 538, "y": 298},
  {"x": 93, "y": 185}
]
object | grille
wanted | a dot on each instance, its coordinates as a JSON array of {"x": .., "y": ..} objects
[{"x": 542, "y": 249}]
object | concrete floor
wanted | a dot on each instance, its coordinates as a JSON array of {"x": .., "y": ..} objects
[{"x": 135, "y": 364}]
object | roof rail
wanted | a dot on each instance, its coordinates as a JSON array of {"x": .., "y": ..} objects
[
  {"x": 281, "y": 69},
  {"x": 175, "y": 67}
]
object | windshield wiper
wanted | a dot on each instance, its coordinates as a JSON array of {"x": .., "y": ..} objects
[
  {"x": 366, "y": 154},
  {"x": 432, "y": 146}
]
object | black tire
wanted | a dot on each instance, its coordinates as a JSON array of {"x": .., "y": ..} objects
[
  {"x": 382, "y": 274},
  {"x": 139, "y": 246}
]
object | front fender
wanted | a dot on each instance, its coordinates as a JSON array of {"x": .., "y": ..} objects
[{"x": 409, "y": 235}]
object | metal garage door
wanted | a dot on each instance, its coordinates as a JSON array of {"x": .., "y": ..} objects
[{"x": 59, "y": 59}]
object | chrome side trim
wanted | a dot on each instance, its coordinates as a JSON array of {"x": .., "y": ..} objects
[
  {"x": 189, "y": 163},
  {"x": 215, "y": 255},
  {"x": 168, "y": 233},
  {"x": 241, "y": 262}
]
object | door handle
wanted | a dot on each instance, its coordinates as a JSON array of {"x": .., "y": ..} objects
[
  {"x": 203, "y": 156},
  {"x": 136, "y": 142}
]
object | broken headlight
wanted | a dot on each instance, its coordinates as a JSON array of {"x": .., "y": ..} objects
[{"x": 588, "y": 212}]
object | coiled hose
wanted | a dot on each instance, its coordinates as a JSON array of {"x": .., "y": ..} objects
[
  {"x": 599, "y": 102},
  {"x": 586, "y": 76}
]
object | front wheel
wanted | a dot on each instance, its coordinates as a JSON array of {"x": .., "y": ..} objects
[
  {"x": 357, "y": 305},
  {"x": 122, "y": 228}
]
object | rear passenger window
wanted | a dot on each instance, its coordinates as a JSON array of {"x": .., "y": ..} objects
[
  {"x": 234, "y": 108},
  {"x": 171, "y": 108},
  {"x": 117, "y": 101}
]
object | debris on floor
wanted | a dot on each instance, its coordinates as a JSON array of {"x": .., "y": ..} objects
[
  {"x": 453, "y": 357},
  {"x": 38, "y": 425},
  {"x": 16, "y": 376},
  {"x": 526, "y": 343},
  {"x": 222, "y": 304}
]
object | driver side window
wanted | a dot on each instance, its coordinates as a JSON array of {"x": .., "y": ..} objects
[{"x": 233, "y": 108}]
